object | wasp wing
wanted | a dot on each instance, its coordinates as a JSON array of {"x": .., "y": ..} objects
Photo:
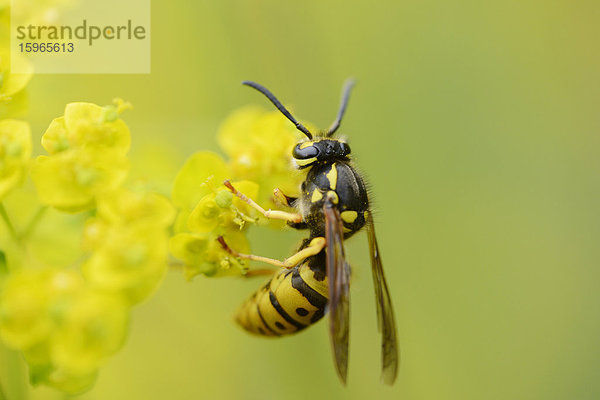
[
  {"x": 338, "y": 274},
  {"x": 385, "y": 313}
]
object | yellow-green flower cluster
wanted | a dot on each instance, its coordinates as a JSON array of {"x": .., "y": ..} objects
[
  {"x": 67, "y": 322},
  {"x": 65, "y": 328},
  {"x": 259, "y": 146},
  {"x": 15, "y": 152},
  {"x": 87, "y": 150},
  {"x": 128, "y": 240}
]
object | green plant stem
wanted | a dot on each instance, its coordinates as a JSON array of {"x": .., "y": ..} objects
[
  {"x": 12, "y": 371},
  {"x": 2, "y": 394},
  {"x": 9, "y": 225},
  {"x": 33, "y": 223}
]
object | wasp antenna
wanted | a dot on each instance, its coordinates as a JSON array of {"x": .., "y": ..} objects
[
  {"x": 279, "y": 106},
  {"x": 348, "y": 85}
]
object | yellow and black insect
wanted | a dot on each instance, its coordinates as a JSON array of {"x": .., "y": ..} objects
[{"x": 333, "y": 206}]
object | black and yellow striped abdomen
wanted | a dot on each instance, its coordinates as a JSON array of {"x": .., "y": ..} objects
[{"x": 292, "y": 300}]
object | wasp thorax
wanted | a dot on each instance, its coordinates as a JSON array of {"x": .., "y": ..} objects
[{"x": 309, "y": 152}]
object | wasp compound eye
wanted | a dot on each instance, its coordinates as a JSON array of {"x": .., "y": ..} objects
[
  {"x": 302, "y": 152},
  {"x": 345, "y": 149}
]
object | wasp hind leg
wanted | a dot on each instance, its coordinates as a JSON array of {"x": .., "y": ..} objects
[
  {"x": 314, "y": 247},
  {"x": 272, "y": 214}
]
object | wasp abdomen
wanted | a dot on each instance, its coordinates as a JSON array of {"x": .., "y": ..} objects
[{"x": 292, "y": 300}]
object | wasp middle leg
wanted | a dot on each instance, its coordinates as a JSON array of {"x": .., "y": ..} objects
[{"x": 273, "y": 214}]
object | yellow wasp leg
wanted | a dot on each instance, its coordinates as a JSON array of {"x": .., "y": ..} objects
[
  {"x": 273, "y": 214},
  {"x": 281, "y": 198},
  {"x": 314, "y": 248}
]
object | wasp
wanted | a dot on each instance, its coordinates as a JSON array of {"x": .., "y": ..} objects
[{"x": 333, "y": 206}]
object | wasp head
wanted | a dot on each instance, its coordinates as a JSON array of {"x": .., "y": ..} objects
[{"x": 323, "y": 150}]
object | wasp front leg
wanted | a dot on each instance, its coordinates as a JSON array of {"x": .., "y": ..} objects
[
  {"x": 282, "y": 198},
  {"x": 272, "y": 214},
  {"x": 288, "y": 201},
  {"x": 314, "y": 247}
]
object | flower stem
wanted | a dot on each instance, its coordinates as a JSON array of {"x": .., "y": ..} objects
[
  {"x": 14, "y": 383},
  {"x": 9, "y": 225},
  {"x": 2, "y": 394},
  {"x": 33, "y": 223}
]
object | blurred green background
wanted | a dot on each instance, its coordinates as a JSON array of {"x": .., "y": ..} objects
[{"x": 477, "y": 126}]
